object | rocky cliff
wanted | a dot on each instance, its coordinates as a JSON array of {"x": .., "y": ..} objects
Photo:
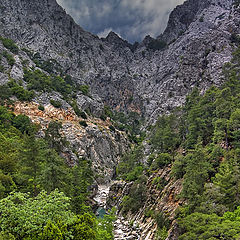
[
  {"x": 94, "y": 141},
  {"x": 149, "y": 78}
]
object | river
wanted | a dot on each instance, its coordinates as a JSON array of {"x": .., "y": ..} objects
[{"x": 122, "y": 228}]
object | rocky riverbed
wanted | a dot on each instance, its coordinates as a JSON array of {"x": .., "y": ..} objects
[{"x": 123, "y": 229}]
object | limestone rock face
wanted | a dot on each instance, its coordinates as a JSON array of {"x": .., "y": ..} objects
[
  {"x": 95, "y": 141},
  {"x": 130, "y": 77}
]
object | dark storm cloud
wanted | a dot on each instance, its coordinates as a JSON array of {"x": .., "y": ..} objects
[{"x": 131, "y": 19}]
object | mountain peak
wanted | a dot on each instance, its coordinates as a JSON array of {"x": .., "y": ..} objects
[{"x": 114, "y": 38}]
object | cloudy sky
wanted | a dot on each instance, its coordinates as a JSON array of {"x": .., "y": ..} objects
[{"x": 131, "y": 19}]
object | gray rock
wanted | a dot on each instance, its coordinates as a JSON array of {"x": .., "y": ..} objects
[{"x": 127, "y": 77}]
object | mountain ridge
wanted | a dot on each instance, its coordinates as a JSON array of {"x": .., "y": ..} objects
[{"x": 126, "y": 78}]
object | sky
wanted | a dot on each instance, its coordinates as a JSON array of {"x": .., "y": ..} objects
[{"x": 130, "y": 19}]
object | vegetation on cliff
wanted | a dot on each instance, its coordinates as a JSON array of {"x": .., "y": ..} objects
[{"x": 201, "y": 142}]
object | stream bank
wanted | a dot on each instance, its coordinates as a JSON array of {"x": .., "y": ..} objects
[{"x": 123, "y": 229}]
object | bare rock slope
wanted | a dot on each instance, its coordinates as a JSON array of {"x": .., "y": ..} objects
[{"x": 149, "y": 78}]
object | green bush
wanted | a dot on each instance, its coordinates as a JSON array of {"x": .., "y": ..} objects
[
  {"x": 112, "y": 128},
  {"x": 41, "y": 107},
  {"x": 1, "y": 68},
  {"x": 56, "y": 104},
  {"x": 161, "y": 220},
  {"x": 78, "y": 112},
  {"x": 159, "y": 182},
  {"x": 103, "y": 117},
  {"x": 21, "y": 93},
  {"x": 9, "y": 44},
  {"x": 58, "y": 84},
  {"x": 130, "y": 163},
  {"x": 84, "y": 89},
  {"x": 134, "y": 174},
  {"x": 5, "y": 92},
  {"x": 83, "y": 115},
  {"x": 23, "y": 123},
  {"x": 40, "y": 81},
  {"x": 161, "y": 161},
  {"x": 83, "y": 123},
  {"x": 14, "y": 89},
  {"x": 10, "y": 59},
  {"x": 37, "y": 80}
]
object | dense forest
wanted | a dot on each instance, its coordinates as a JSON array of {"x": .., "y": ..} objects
[
  {"x": 201, "y": 142},
  {"x": 41, "y": 196}
]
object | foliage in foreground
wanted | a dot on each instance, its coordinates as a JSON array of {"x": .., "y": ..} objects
[
  {"x": 49, "y": 216},
  {"x": 31, "y": 170}
]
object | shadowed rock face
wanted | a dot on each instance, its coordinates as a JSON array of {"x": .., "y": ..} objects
[{"x": 126, "y": 77}]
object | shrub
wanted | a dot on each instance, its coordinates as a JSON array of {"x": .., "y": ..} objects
[
  {"x": 1, "y": 68},
  {"x": 103, "y": 117},
  {"x": 84, "y": 89},
  {"x": 83, "y": 115},
  {"x": 83, "y": 123},
  {"x": 235, "y": 38},
  {"x": 107, "y": 111},
  {"x": 161, "y": 161},
  {"x": 37, "y": 80},
  {"x": 40, "y": 81},
  {"x": 41, "y": 107},
  {"x": 21, "y": 93},
  {"x": 59, "y": 85},
  {"x": 56, "y": 104},
  {"x": 161, "y": 220},
  {"x": 9, "y": 44},
  {"x": 5, "y": 92},
  {"x": 10, "y": 59},
  {"x": 23, "y": 123},
  {"x": 201, "y": 19},
  {"x": 78, "y": 112},
  {"x": 159, "y": 182},
  {"x": 134, "y": 174}
]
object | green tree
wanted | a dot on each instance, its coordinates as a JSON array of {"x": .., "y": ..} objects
[
  {"x": 25, "y": 217},
  {"x": 53, "y": 136},
  {"x": 32, "y": 160},
  {"x": 227, "y": 179},
  {"x": 197, "y": 173},
  {"x": 81, "y": 179},
  {"x": 54, "y": 173}
]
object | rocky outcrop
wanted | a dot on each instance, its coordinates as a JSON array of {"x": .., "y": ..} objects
[
  {"x": 95, "y": 141},
  {"x": 181, "y": 18}
]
